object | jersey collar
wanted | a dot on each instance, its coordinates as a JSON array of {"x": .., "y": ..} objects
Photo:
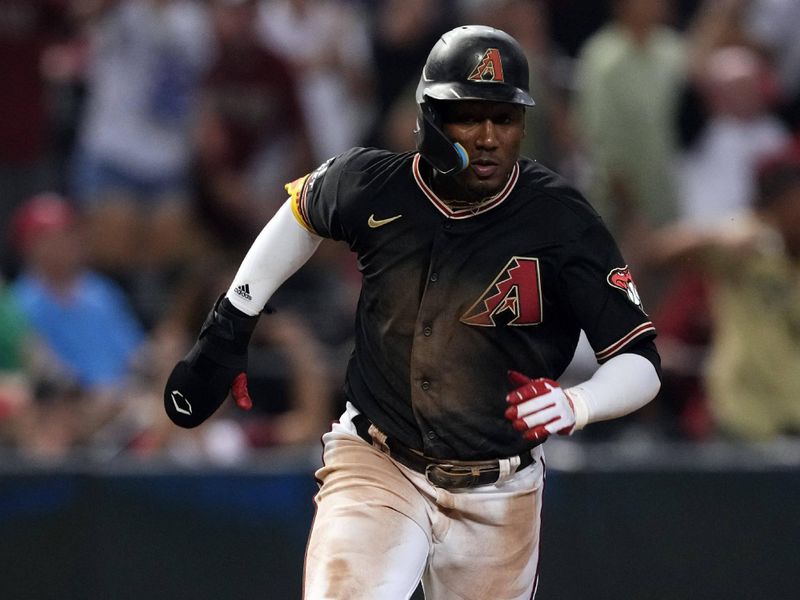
[{"x": 464, "y": 213}]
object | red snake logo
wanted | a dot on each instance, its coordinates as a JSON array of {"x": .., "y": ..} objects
[{"x": 622, "y": 279}]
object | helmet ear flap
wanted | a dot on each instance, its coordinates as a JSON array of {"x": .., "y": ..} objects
[{"x": 443, "y": 155}]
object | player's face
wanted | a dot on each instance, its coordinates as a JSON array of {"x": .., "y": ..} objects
[{"x": 491, "y": 133}]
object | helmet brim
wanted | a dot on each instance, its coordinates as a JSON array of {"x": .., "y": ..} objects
[{"x": 486, "y": 91}]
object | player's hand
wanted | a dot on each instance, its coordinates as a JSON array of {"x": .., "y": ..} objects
[
  {"x": 539, "y": 407},
  {"x": 215, "y": 366}
]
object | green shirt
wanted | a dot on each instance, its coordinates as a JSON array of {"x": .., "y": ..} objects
[
  {"x": 12, "y": 333},
  {"x": 627, "y": 99}
]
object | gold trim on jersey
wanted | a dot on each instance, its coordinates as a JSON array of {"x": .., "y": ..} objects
[
  {"x": 464, "y": 213},
  {"x": 297, "y": 194}
]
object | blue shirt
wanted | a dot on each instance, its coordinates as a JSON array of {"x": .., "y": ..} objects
[{"x": 93, "y": 332}]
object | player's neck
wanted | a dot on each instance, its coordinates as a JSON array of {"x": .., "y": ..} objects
[{"x": 455, "y": 194}]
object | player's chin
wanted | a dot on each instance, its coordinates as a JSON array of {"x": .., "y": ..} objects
[{"x": 481, "y": 188}]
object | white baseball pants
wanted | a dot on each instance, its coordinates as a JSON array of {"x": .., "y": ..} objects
[{"x": 380, "y": 528}]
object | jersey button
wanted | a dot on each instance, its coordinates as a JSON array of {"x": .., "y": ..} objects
[
  {"x": 425, "y": 385},
  {"x": 434, "y": 277},
  {"x": 427, "y": 331}
]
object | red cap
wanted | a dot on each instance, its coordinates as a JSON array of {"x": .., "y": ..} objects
[{"x": 43, "y": 213}]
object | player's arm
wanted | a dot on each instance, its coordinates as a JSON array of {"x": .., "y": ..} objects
[
  {"x": 607, "y": 305},
  {"x": 621, "y": 385},
  {"x": 282, "y": 247},
  {"x": 217, "y": 363}
]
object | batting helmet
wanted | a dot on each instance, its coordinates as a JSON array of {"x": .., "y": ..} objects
[{"x": 467, "y": 63}]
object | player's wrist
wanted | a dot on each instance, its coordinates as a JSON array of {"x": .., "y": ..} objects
[
  {"x": 578, "y": 398},
  {"x": 241, "y": 305},
  {"x": 228, "y": 328}
]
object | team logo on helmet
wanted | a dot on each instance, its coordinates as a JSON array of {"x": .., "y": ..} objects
[
  {"x": 622, "y": 279},
  {"x": 514, "y": 297},
  {"x": 489, "y": 67}
]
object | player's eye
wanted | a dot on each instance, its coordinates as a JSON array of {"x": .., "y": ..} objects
[
  {"x": 467, "y": 119},
  {"x": 504, "y": 119}
]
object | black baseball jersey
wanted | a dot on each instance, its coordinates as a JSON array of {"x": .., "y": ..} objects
[{"x": 452, "y": 299}]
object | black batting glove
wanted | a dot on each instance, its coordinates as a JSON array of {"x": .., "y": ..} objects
[{"x": 216, "y": 365}]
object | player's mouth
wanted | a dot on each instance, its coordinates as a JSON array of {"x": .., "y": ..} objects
[{"x": 484, "y": 168}]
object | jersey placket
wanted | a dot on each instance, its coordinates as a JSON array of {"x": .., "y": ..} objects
[{"x": 428, "y": 354}]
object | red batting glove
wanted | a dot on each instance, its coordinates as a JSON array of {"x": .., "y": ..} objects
[
  {"x": 539, "y": 407},
  {"x": 240, "y": 393}
]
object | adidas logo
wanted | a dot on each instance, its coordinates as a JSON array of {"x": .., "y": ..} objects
[{"x": 244, "y": 291}]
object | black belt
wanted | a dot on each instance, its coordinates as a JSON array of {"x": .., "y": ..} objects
[{"x": 448, "y": 474}]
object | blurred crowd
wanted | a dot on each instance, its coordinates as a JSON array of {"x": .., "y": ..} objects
[{"x": 144, "y": 143}]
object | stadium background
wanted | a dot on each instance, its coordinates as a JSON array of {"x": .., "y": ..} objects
[{"x": 664, "y": 505}]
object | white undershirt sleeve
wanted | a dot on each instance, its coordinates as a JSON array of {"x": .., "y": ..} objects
[
  {"x": 282, "y": 247},
  {"x": 620, "y": 386}
]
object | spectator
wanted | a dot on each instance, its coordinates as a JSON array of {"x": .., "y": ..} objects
[
  {"x": 717, "y": 185},
  {"x": 27, "y": 29},
  {"x": 333, "y": 66},
  {"x": 629, "y": 77},
  {"x": 717, "y": 171},
  {"x": 89, "y": 338},
  {"x": 251, "y": 133},
  {"x": 133, "y": 147},
  {"x": 752, "y": 266}
]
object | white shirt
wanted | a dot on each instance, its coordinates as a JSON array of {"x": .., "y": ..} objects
[
  {"x": 717, "y": 176},
  {"x": 145, "y": 66}
]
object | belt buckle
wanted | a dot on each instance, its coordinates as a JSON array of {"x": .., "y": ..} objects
[{"x": 451, "y": 477}]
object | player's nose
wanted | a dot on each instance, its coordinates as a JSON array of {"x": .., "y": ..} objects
[{"x": 487, "y": 135}]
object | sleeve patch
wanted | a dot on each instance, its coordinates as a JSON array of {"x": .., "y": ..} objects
[{"x": 621, "y": 279}]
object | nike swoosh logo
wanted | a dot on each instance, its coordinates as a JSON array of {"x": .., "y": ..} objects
[{"x": 373, "y": 222}]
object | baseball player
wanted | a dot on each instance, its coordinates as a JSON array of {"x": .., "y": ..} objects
[{"x": 480, "y": 268}]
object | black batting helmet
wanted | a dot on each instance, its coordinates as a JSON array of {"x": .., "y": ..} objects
[{"x": 472, "y": 62}]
